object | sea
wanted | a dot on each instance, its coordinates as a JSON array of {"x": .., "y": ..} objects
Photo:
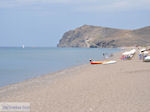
[{"x": 19, "y": 64}]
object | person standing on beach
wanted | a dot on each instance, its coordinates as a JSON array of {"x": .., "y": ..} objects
[{"x": 140, "y": 55}]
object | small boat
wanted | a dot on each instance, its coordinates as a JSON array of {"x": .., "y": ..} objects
[
  {"x": 110, "y": 62},
  {"x": 23, "y": 46},
  {"x": 102, "y": 62},
  {"x": 96, "y": 62}
]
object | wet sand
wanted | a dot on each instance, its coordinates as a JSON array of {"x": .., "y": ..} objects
[{"x": 120, "y": 87}]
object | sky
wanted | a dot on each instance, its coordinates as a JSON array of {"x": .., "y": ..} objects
[{"x": 42, "y": 23}]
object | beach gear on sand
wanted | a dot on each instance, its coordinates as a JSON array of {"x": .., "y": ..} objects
[
  {"x": 147, "y": 59},
  {"x": 145, "y": 53},
  {"x": 143, "y": 49},
  {"x": 132, "y": 52},
  {"x": 128, "y": 54}
]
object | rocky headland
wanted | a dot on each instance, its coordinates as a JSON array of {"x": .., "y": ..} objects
[{"x": 88, "y": 36}]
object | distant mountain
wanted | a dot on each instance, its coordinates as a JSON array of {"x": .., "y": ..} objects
[{"x": 99, "y": 37}]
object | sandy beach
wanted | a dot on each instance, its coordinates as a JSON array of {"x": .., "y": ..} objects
[{"x": 120, "y": 87}]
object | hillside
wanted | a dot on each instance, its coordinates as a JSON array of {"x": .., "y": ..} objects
[{"x": 99, "y": 37}]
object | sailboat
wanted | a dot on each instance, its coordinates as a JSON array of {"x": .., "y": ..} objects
[{"x": 22, "y": 46}]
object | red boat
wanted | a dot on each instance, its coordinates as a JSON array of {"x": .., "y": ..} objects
[{"x": 96, "y": 62}]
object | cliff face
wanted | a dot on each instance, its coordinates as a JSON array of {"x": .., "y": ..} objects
[{"x": 94, "y": 37}]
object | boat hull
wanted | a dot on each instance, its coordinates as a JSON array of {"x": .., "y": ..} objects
[
  {"x": 103, "y": 62},
  {"x": 97, "y": 62}
]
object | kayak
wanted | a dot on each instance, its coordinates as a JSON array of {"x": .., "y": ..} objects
[
  {"x": 97, "y": 62},
  {"x": 110, "y": 62},
  {"x": 102, "y": 62}
]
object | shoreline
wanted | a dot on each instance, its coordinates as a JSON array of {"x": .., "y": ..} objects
[
  {"x": 53, "y": 72},
  {"x": 123, "y": 86},
  {"x": 32, "y": 65},
  {"x": 51, "y": 76}
]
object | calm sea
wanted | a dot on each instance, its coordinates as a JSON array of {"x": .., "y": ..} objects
[{"x": 18, "y": 64}]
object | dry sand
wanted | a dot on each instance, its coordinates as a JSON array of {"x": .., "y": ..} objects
[{"x": 120, "y": 87}]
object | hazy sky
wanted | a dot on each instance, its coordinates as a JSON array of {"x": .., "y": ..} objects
[{"x": 43, "y": 22}]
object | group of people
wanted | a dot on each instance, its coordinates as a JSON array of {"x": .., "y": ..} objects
[{"x": 144, "y": 54}]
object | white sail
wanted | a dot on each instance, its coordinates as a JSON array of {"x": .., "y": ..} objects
[{"x": 22, "y": 46}]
